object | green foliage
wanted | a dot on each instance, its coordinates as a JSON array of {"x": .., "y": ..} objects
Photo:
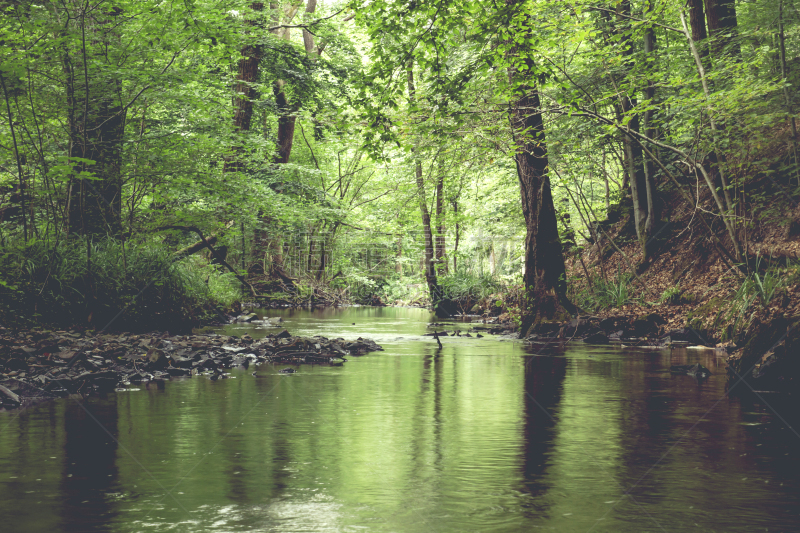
[
  {"x": 613, "y": 293},
  {"x": 467, "y": 288},
  {"x": 108, "y": 284},
  {"x": 399, "y": 288},
  {"x": 673, "y": 295},
  {"x": 756, "y": 291}
]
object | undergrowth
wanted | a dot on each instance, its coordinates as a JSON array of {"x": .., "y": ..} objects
[
  {"x": 131, "y": 286},
  {"x": 757, "y": 290},
  {"x": 606, "y": 293}
]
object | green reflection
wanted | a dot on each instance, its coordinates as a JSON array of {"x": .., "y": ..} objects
[{"x": 478, "y": 435}]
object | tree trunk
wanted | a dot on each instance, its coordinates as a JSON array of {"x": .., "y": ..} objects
[
  {"x": 722, "y": 25},
  {"x": 441, "y": 306},
  {"x": 697, "y": 21},
  {"x": 455, "y": 244},
  {"x": 286, "y": 123},
  {"x": 398, "y": 265},
  {"x": 650, "y": 131},
  {"x": 641, "y": 188},
  {"x": 287, "y": 110},
  {"x": 96, "y": 135},
  {"x": 245, "y": 91},
  {"x": 441, "y": 262},
  {"x": 544, "y": 275}
]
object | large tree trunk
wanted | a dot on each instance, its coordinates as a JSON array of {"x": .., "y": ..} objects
[
  {"x": 544, "y": 276},
  {"x": 722, "y": 24},
  {"x": 697, "y": 21},
  {"x": 287, "y": 110},
  {"x": 286, "y": 123},
  {"x": 245, "y": 92}
]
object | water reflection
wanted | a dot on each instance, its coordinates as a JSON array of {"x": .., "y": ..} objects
[
  {"x": 544, "y": 378},
  {"x": 89, "y": 484},
  {"x": 481, "y": 434}
]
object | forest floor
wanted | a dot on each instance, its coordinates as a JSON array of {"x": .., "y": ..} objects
[
  {"x": 687, "y": 281},
  {"x": 689, "y": 287}
]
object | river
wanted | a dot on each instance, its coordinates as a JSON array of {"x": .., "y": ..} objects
[{"x": 480, "y": 435}]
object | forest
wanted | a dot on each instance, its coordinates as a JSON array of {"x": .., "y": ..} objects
[
  {"x": 163, "y": 162},
  {"x": 409, "y": 265}
]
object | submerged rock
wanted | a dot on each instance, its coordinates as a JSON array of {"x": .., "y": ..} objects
[
  {"x": 696, "y": 370},
  {"x": 596, "y": 338}
]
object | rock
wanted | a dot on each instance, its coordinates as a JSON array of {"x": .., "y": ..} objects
[
  {"x": 235, "y": 349},
  {"x": 617, "y": 335},
  {"x": 596, "y": 338},
  {"x": 696, "y": 370},
  {"x": 608, "y": 324},
  {"x": 249, "y": 317},
  {"x": 158, "y": 360},
  {"x": 283, "y": 335},
  {"x": 9, "y": 397},
  {"x": 287, "y": 371},
  {"x": 179, "y": 372},
  {"x": 643, "y": 327},
  {"x": 575, "y": 327},
  {"x": 209, "y": 364},
  {"x": 655, "y": 318},
  {"x": 138, "y": 377}
]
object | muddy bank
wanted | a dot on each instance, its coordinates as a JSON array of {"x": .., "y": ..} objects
[{"x": 40, "y": 365}]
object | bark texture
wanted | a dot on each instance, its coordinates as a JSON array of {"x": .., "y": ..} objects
[
  {"x": 245, "y": 91},
  {"x": 544, "y": 276},
  {"x": 441, "y": 306},
  {"x": 722, "y": 24}
]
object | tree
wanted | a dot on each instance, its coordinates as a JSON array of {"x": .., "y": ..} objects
[
  {"x": 722, "y": 24},
  {"x": 245, "y": 91},
  {"x": 544, "y": 275},
  {"x": 96, "y": 122}
]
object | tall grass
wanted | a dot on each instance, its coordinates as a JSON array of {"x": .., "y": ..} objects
[
  {"x": 607, "y": 294},
  {"x": 75, "y": 282},
  {"x": 467, "y": 288},
  {"x": 756, "y": 288}
]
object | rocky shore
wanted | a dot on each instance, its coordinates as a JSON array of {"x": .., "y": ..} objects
[
  {"x": 767, "y": 361},
  {"x": 41, "y": 364},
  {"x": 630, "y": 330}
]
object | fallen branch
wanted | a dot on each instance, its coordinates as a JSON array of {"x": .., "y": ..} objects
[
  {"x": 207, "y": 243},
  {"x": 193, "y": 249}
]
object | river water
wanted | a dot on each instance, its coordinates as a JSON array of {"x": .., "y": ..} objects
[{"x": 481, "y": 435}]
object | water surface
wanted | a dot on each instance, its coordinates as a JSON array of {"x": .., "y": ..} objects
[{"x": 481, "y": 435}]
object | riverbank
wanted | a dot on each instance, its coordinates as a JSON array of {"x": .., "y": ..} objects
[{"x": 38, "y": 365}]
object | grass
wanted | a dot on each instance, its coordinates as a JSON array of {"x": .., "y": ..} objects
[
  {"x": 75, "y": 282},
  {"x": 606, "y": 294},
  {"x": 756, "y": 288}
]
